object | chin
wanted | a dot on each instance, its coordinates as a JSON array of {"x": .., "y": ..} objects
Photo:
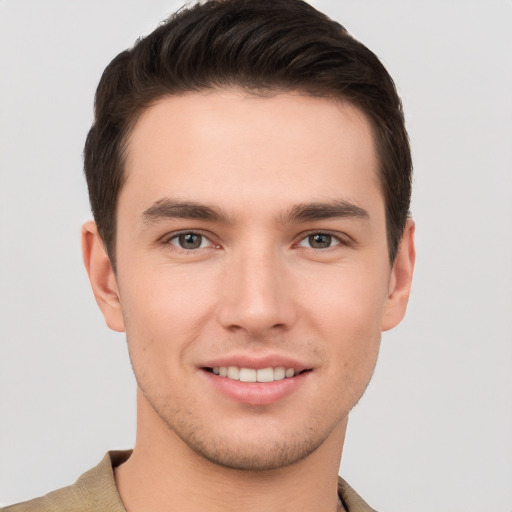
[
  {"x": 262, "y": 446},
  {"x": 252, "y": 455}
]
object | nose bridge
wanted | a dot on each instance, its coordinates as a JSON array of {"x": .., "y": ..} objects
[{"x": 256, "y": 297}]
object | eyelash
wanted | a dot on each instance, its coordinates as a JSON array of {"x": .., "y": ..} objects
[
  {"x": 340, "y": 241},
  {"x": 176, "y": 235}
]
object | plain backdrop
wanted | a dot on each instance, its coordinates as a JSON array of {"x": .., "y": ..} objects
[{"x": 434, "y": 430}]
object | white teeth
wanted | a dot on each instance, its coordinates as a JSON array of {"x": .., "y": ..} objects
[
  {"x": 233, "y": 372},
  {"x": 265, "y": 375},
  {"x": 279, "y": 373},
  {"x": 247, "y": 375},
  {"x": 251, "y": 375}
]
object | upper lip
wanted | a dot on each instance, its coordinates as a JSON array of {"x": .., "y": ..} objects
[{"x": 256, "y": 362}]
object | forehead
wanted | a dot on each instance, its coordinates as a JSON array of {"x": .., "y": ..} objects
[{"x": 244, "y": 148}]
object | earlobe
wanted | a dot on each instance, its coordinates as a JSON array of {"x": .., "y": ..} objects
[
  {"x": 101, "y": 276},
  {"x": 400, "y": 279}
]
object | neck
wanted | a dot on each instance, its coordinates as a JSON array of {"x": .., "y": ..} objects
[{"x": 163, "y": 470}]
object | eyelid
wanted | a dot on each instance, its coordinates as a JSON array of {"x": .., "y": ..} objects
[
  {"x": 166, "y": 239},
  {"x": 342, "y": 238}
]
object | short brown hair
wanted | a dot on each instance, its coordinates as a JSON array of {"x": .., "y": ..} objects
[{"x": 262, "y": 46}]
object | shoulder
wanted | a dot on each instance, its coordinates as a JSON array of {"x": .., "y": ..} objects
[
  {"x": 351, "y": 500},
  {"x": 94, "y": 491},
  {"x": 56, "y": 501}
]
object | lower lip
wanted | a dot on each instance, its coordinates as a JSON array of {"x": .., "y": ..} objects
[{"x": 256, "y": 393}]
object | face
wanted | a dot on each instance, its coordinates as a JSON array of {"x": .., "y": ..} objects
[{"x": 253, "y": 278}]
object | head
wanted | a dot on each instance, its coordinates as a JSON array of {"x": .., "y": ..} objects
[
  {"x": 265, "y": 48},
  {"x": 249, "y": 174}
]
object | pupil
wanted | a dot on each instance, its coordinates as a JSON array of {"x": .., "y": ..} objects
[
  {"x": 320, "y": 241},
  {"x": 190, "y": 241}
]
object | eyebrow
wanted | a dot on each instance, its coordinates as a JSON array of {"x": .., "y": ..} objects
[
  {"x": 171, "y": 209},
  {"x": 319, "y": 211},
  {"x": 167, "y": 208}
]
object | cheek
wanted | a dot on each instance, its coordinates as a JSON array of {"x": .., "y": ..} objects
[
  {"x": 347, "y": 312},
  {"x": 346, "y": 298},
  {"x": 164, "y": 312}
]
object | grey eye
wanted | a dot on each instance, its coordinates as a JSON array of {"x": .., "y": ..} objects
[
  {"x": 319, "y": 241},
  {"x": 189, "y": 241}
]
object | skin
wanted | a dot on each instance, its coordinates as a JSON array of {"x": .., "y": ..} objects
[{"x": 257, "y": 286}]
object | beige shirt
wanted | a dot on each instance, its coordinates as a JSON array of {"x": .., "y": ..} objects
[{"x": 96, "y": 491}]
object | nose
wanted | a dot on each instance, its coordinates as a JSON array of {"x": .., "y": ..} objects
[{"x": 257, "y": 294}]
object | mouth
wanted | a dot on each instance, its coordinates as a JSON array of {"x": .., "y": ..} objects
[
  {"x": 256, "y": 380},
  {"x": 269, "y": 374}
]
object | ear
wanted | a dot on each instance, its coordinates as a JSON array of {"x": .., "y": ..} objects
[
  {"x": 101, "y": 276},
  {"x": 400, "y": 279}
]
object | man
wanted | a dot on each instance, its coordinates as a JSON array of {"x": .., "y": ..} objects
[{"x": 249, "y": 174}]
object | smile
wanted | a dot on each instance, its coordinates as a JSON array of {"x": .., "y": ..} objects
[
  {"x": 256, "y": 386},
  {"x": 254, "y": 375}
]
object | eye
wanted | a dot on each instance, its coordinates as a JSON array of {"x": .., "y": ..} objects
[
  {"x": 189, "y": 241},
  {"x": 319, "y": 241}
]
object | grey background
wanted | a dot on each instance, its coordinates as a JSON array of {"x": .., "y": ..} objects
[{"x": 434, "y": 430}]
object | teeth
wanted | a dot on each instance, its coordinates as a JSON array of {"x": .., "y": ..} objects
[
  {"x": 247, "y": 375},
  {"x": 252, "y": 375},
  {"x": 233, "y": 373},
  {"x": 279, "y": 373},
  {"x": 265, "y": 375}
]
